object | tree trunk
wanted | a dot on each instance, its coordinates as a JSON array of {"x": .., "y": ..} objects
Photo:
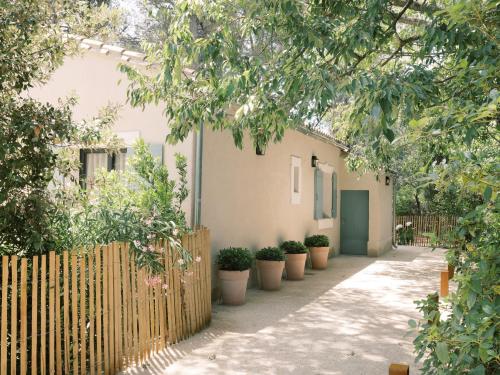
[{"x": 417, "y": 202}]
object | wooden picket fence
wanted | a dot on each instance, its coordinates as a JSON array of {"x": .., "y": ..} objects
[
  {"x": 425, "y": 224},
  {"x": 95, "y": 313}
]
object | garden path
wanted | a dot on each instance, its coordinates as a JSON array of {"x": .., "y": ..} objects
[{"x": 349, "y": 319}]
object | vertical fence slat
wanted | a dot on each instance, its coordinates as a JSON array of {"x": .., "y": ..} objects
[
  {"x": 52, "y": 348},
  {"x": 135, "y": 336},
  {"x": 59, "y": 359},
  {"x": 141, "y": 306},
  {"x": 149, "y": 318},
  {"x": 161, "y": 302},
  {"x": 74, "y": 308},
  {"x": 98, "y": 311},
  {"x": 125, "y": 305},
  {"x": 111, "y": 324},
  {"x": 178, "y": 300},
  {"x": 172, "y": 324},
  {"x": 191, "y": 278},
  {"x": 117, "y": 307},
  {"x": 3, "y": 338},
  {"x": 13, "y": 317},
  {"x": 201, "y": 254},
  {"x": 198, "y": 295},
  {"x": 83, "y": 320},
  {"x": 157, "y": 316},
  {"x": 43, "y": 314},
  {"x": 23, "y": 360},
  {"x": 208, "y": 272},
  {"x": 145, "y": 315},
  {"x": 92, "y": 315},
  {"x": 34, "y": 317},
  {"x": 187, "y": 285},
  {"x": 66, "y": 318},
  {"x": 105, "y": 308}
]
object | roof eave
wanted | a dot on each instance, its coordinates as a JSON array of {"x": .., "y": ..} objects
[{"x": 322, "y": 137}]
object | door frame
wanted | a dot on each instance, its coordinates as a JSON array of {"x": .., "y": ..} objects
[{"x": 342, "y": 206}]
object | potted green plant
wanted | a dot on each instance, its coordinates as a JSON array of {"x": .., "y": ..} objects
[
  {"x": 296, "y": 255},
  {"x": 270, "y": 264},
  {"x": 234, "y": 269},
  {"x": 318, "y": 249}
]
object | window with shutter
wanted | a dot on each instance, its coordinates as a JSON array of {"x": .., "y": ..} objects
[{"x": 325, "y": 195}]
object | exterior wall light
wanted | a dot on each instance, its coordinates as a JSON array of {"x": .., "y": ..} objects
[
  {"x": 387, "y": 180},
  {"x": 314, "y": 161}
]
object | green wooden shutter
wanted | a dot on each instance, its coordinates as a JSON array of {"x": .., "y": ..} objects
[
  {"x": 334, "y": 195},
  {"x": 128, "y": 154},
  {"x": 318, "y": 194}
]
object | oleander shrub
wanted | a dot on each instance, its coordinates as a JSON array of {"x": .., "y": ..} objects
[
  {"x": 293, "y": 247},
  {"x": 270, "y": 253},
  {"x": 318, "y": 240},
  {"x": 234, "y": 259}
]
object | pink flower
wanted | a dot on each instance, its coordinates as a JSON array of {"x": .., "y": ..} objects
[
  {"x": 137, "y": 243},
  {"x": 198, "y": 259},
  {"x": 152, "y": 280},
  {"x": 181, "y": 261},
  {"x": 165, "y": 286}
]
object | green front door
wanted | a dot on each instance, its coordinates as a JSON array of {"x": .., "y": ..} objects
[{"x": 354, "y": 222}]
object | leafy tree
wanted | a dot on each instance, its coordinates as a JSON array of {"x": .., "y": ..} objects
[
  {"x": 32, "y": 45},
  {"x": 139, "y": 206},
  {"x": 411, "y": 75}
]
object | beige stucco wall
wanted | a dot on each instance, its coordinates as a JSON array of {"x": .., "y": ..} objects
[
  {"x": 95, "y": 80},
  {"x": 380, "y": 207},
  {"x": 246, "y": 198}
]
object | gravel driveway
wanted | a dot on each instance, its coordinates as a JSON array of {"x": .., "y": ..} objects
[{"x": 349, "y": 319}]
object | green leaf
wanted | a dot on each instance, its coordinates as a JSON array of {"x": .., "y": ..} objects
[
  {"x": 471, "y": 300},
  {"x": 442, "y": 352},
  {"x": 412, "y": 323},
  {"x": 487, "y": 193},
  {"x": 479, "y": 370},
  {"x": 389, "y": 134},
  {"x": 376, "y": 110},
  {"x": 177, "y": 71}
]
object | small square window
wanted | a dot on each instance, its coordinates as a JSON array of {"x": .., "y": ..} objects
[{"x": 295, "y": 179}]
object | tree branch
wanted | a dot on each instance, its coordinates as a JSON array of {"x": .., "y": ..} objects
[{"x": 417, "y": 6}]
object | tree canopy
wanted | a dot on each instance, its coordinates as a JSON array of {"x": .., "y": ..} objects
[
  {"x": 393, "y": 77},
  {"x": 32, "y": 45}
]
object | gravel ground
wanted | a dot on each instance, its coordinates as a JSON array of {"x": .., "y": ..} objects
[{"x": 349, "y": 319}]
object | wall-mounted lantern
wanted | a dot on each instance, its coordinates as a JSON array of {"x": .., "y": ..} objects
[
  {"x": 259, "y": 150},
  {"x": 314, "y": 161},
  {"x": 387, "y": 180}
]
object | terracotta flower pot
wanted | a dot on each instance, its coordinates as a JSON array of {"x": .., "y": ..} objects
[
  {"x": 270, "y": 272},
  {"x": 295, "y": 264},
  {"x": 234, "y": 286},
  {"x": 319, "y": 257}
]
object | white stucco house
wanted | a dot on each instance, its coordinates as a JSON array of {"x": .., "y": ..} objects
[{"x": 298, "y": 187}]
